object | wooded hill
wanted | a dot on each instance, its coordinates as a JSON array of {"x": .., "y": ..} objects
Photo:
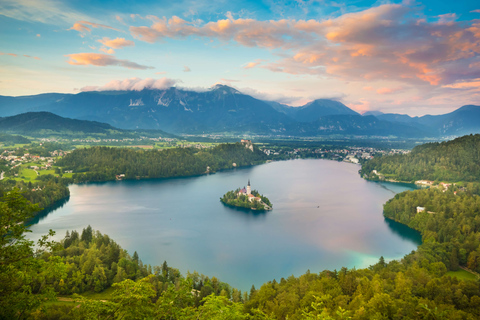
[
  {"x": 104, "y": 163},
  {"x": 450, "y": 161}
]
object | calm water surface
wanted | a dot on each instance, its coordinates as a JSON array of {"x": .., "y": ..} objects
[{"x": 324, "y": 217}]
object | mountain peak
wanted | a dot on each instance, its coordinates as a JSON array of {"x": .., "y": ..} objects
[
  {"x": 224, "y": 89},
  {"x": 469, "y": 107}
]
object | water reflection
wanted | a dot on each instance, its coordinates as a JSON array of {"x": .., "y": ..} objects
[
  {"x": 403, "y": 231},
  {"x": 44, "y": 213},
  {"x": 325, "y": 216},
  {"x": 246, "y": 213}
]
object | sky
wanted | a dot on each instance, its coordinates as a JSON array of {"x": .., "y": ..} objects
[{"x": 411, "y": 57}]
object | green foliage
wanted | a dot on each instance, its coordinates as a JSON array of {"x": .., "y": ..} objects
[
  {"x": 233, "y": 198},
  {"x": 450, "y": 224},
  {"x": 26, "y": 277},
  {"x": 103, "y": 163},
  {"x": 456, "y": 160}
]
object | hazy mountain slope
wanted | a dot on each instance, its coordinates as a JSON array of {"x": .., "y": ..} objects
[
  {"x": 319, "y": 108},
  {"x": 224, "y": 109},
  {"x": 46, "y": 123}
]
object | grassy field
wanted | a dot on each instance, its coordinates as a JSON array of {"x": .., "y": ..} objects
[
  {"x": 27, "y": 175},
  {"x": 462, "y": 275}
]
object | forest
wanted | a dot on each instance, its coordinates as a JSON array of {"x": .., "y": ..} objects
[
  {"x": 104, "y": 163},
  {"x": 450, "y": 161},
  {"x": 425, "y": 284}
]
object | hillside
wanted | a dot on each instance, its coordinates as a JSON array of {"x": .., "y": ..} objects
[
  {"x": 451, "y": 161},
  {"x": 44, "y": 124}
]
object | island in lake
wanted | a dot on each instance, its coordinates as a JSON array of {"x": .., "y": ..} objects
[{"x": 246, "y": 198}]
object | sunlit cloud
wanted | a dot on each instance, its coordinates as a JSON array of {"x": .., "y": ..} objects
[
  {"x": 45, "y": 11},
  {"x": 390, "y": 90},
  {"x": 117, "y": 43},
  {"x": 133, "y": 84},
  {"x": 8, "y": 54},
  {"x": 107, "y": 50},
  {"x": 251, "y": 65},
  {"x": 386, "y": 42},
  {"x": 473, "y": 84},
  {"x": 16, "y": 55},
  {"x": 186, "y": 69},
  {"x": 102, "y": 60},
  {"x": 86, "y": 26}
]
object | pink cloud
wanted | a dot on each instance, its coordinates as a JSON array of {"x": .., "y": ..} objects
[
  {"x": 390, "y": 90},
  {"x": 251, "y": 65},
  {"x": 133, "y": 84},
  {"x": 102, "y": 60},
  {"x": 107, "y": 51},
  {"x": 361, "y": 106},
  {"x": 16, "y": 55},
  {"x": 473, "y": 84},
  {"x": 85, "y": 26},
  {"x": 387, "y": 42},
  {"x": 117, "y": 43},
  {"x": 186, "y": 69}
]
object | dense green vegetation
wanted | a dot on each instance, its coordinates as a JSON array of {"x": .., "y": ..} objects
[
  {"x": 452, "y": 161},
  {"x": 103, "y": 163},
  {"x": 9, "y": 139},
  {"x": 233, "y": 198},
  {"x": 450, "y": 224},
  {"x": 416, "y": 287},
  {"x": 422, "y": 285}
]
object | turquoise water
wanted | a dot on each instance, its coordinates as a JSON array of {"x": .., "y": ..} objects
[{"x": 324, "y": 217}]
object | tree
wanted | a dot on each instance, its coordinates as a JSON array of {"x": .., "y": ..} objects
[{"x": 25, "y": 282}]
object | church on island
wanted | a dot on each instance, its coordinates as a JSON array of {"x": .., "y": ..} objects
[
  {"x": 246, "y": 198},
  {"x": 248, "y": 192}
]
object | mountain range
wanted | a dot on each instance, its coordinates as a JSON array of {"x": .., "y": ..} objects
[{"x": 223, "y": 109}]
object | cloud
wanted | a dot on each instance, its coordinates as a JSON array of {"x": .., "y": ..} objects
[
  {"x": 161, "y": 72},
  {"x": 120, "y": 19},
  {"x": 16, "y": 55},
  {"x": 45, "y": 11},
  {"x": 390, "y": 90},
  {"x": 388, "y": 42},
  {"x": 102, "y": 60},
  {"x": 361, "y": 106},
  {"x": 251, "y": 65},
  {"x": 39, "y": 35},
  {"x": 133, "y": 84},
  {"x": 472, "y": 84},
  {"x": 186, "y": 69},
  {"x": 475, "y": 11},
  {"x": 117, "y": 43},
  {"x": 248, "y": 32},
  {"x": 107, "y": 51},
  {"x": 229, "y": 80},
  {"x": 86, "y": 26}
]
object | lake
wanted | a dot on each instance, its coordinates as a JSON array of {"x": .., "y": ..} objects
[{"x": 324, "y": 217}]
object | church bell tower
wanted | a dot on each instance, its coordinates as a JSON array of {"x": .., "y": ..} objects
[{"x": 249, "y": 189}]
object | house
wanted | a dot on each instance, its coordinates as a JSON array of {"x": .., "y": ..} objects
[{"x": 420, "y": 209}]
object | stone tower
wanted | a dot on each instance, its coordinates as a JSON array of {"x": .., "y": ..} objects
[{"x": 249, "y": 189}]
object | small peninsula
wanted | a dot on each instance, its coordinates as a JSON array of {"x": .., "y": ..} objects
[{"x": 246, "y": 198}]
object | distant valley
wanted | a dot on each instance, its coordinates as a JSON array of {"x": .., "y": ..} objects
[{"x": 223, "y": 109}]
